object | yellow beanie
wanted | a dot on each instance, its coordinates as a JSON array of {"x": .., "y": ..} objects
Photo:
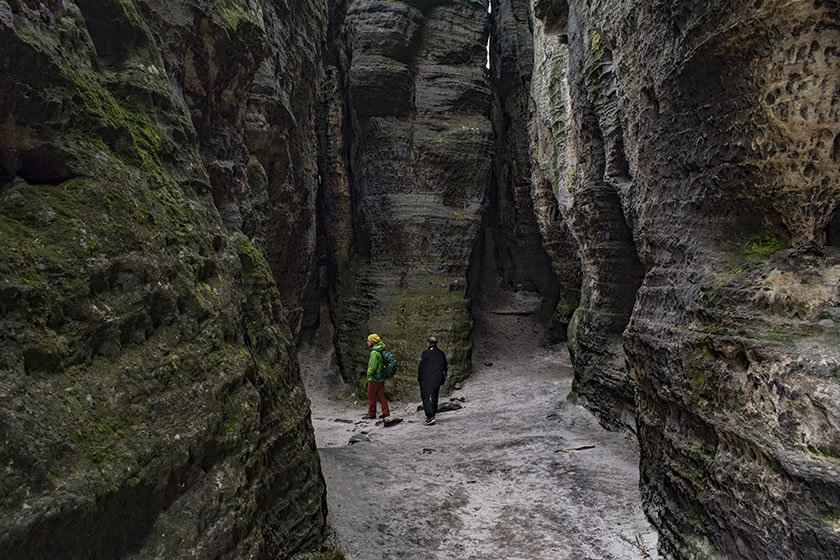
[{"x": 373, "y": 338}]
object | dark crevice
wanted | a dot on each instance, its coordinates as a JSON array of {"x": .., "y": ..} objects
[
  {"x": 555, "y": 15},
  {"x": 6, "y": 176},
  {"x": 617, "y": 166},
  {"x": 44, "y": 166},
  {"x": 520, "y": 253},
  {"x": 332, "y": 266},
  {"x": 832, "y": 232},
  {"x": 326, "y": 271},
  {"x": 111, "y": 31}
]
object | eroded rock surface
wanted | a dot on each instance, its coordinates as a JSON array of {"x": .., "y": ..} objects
[
  {"x": 680, "y": 163},
  {"x": 150, "y": 402},
  {"x": 698, "y": 147},
  {"x": 522, "y": 215},
  {"x": 416, "y": 100}
]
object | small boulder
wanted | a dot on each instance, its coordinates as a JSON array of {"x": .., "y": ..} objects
[
  {"x": 449, "y": 407},
  {"x": 359, "y": 438}
]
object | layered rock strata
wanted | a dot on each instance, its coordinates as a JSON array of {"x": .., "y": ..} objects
[
  {"x": 521, "y": 256},
  {"x": 280, "y": 137},
  {"x": 700, "y": 155},
  {"x": 150, "y": 402},
  {"x": 581, "y": 161},
  {"x": 520, "y": 214},
  {"x": 420, "y": 147}
]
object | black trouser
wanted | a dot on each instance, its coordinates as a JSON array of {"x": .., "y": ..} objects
[{"x": 429, "y": 395}]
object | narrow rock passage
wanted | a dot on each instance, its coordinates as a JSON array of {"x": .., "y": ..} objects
[{"x": 517, "y": 473}]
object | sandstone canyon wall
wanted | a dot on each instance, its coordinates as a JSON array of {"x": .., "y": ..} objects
[
  {"x": 150, "y": 401},
  {"x": 408, "y": 141},
  {"x": 693, "y": 150},
  {"x": 426, "y": 175},
  {"x": 679, "y": 160},
  {"x": 519, "y": 215}
]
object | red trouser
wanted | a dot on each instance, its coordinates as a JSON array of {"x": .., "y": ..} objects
[{"x": 376, "y": 391}]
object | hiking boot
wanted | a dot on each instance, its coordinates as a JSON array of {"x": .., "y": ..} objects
[
  {"x": 429, "y": 422},
  {"x": 366, "y": 417},
  {"x": 384, "y": 415}
]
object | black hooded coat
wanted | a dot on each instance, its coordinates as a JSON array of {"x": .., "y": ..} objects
[{"x": 431, "y": 373}]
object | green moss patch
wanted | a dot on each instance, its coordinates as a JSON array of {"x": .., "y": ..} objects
[
  {"x": 404, "y": 317},
  {"x": 596, "y": 53},
  {"x": 760, "y": 247},
  {"x": 233, "y": 13},
  {"x": 830, "y": 454},
  {"x": 751, "y": 251},
  {"x": 596, "y": 46},
  {"x": 744, "y": 255}
]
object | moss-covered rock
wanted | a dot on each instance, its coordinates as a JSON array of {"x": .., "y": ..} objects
[{"x": 150, "y": 401}]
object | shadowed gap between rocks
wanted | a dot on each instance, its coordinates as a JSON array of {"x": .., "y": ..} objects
[
  {"x": 832, "y": 232},
  {"x": 41, "y": 166},
  {"x": 521, "y": 255},
  {"x": 112, "y": 31}
]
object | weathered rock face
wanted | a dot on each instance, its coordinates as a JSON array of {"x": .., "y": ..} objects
[
  {"x": 280, "y": 136},
  {"x": 698, "y": 144},
  {"x": 582, "y": 162},
  {"x": 417, "y": 102},
  {"x": 527, "y": 219},
  {"x": 150, "y": 403},
  {"x": 248, "y": 84},
  {"x": 521, "y": 254}
]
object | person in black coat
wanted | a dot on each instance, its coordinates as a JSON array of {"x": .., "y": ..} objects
[{"x": 431, "y": 374}]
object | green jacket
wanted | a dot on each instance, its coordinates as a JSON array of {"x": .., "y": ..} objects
[{"x": 375, "y": 363}]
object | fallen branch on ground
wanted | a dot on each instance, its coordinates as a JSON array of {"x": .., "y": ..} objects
[{"x": 581, "y": 448}]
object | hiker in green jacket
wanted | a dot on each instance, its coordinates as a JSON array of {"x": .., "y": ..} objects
[{"x": 375, "y": 384}]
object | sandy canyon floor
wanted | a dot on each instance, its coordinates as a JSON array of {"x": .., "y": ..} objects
[{"x": 518, "y": 473}]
